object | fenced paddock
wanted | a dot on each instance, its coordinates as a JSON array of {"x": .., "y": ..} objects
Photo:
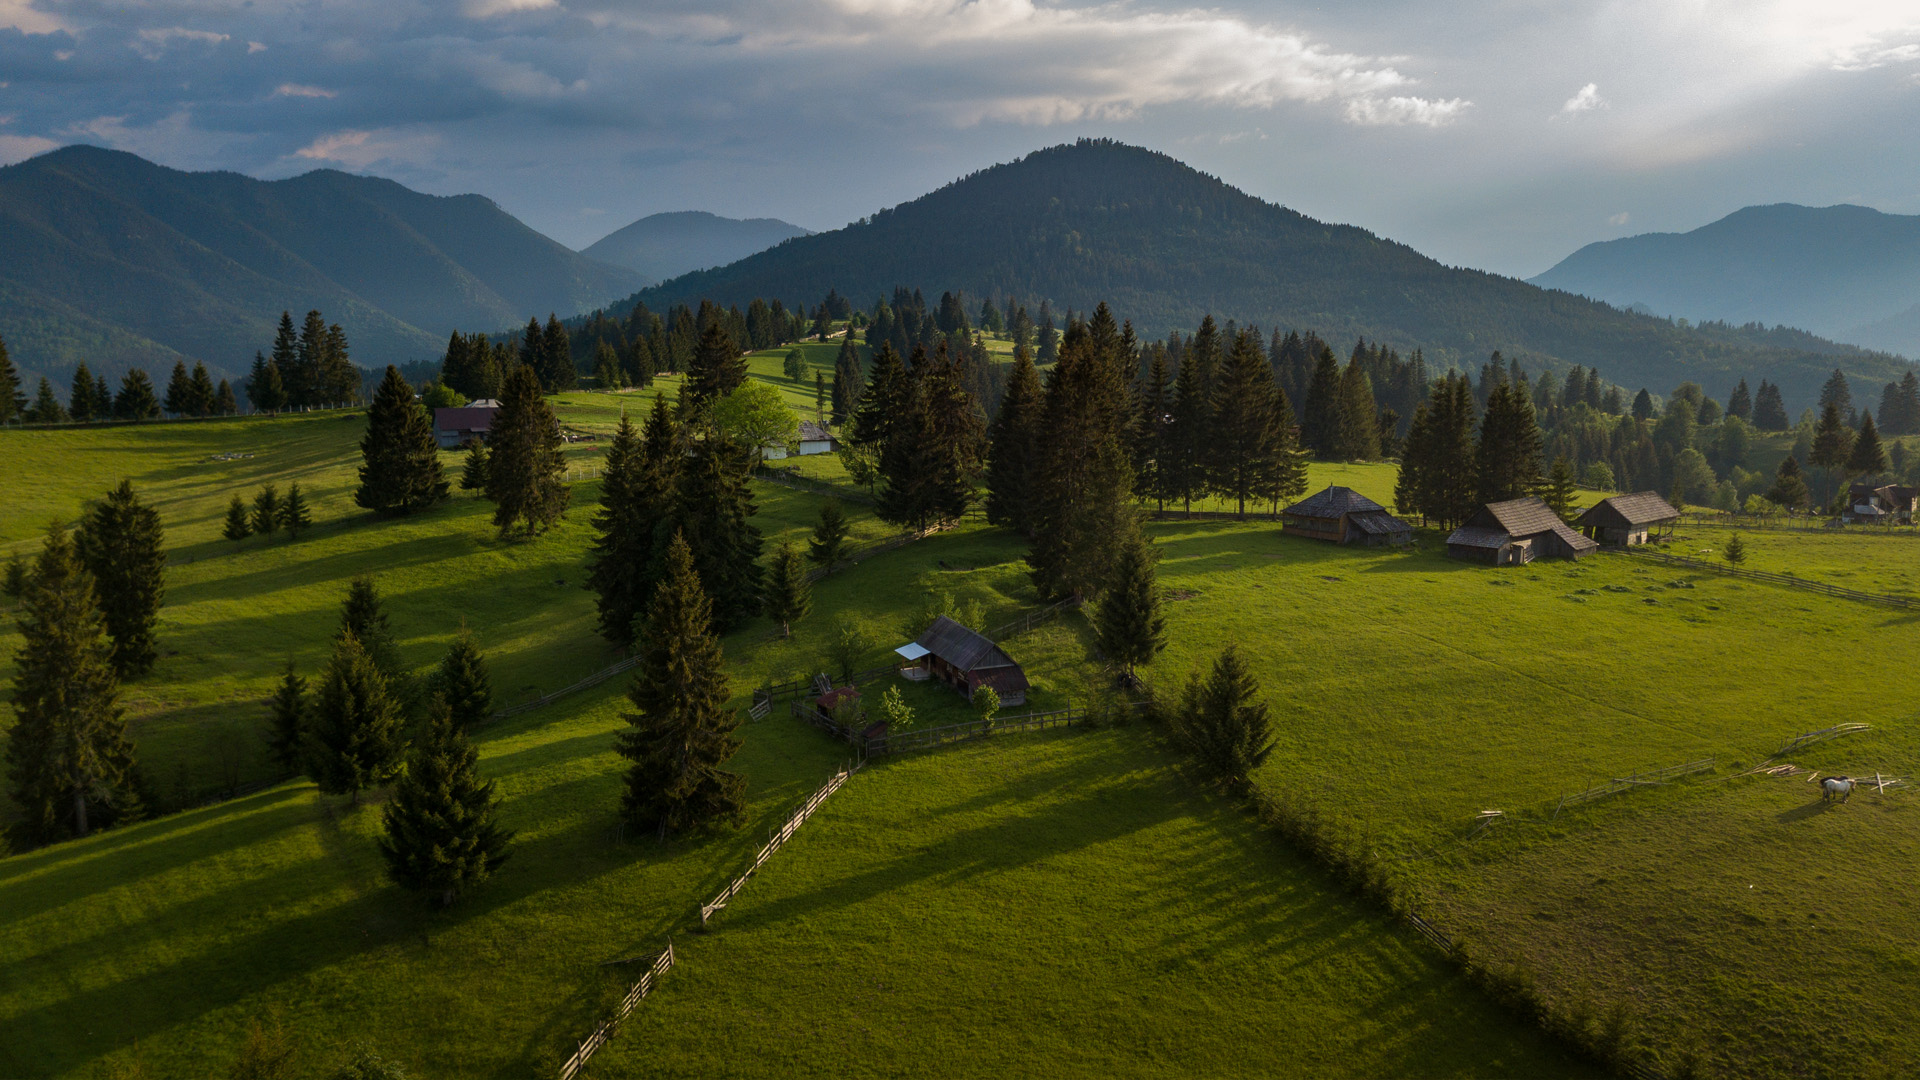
[
  {"x": 778, "y": 838},
  {"x": 1769, "y": 576},
  {"x": 607, "y": 1027},
  {"x": 904, "y": 742}
]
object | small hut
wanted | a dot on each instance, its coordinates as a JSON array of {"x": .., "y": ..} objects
[
  {"x": 1341, "y": 515},
  {"x": 1890, "y": 504},
  {"x": 1515, "y": 532},
  {"x": 965, "y": 661},
  {"x": 454, "y": 426},
  {"x": 1627, "y": 520}
]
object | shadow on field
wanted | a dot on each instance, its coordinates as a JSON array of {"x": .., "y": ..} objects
[{"x": 1809, "y": 810}]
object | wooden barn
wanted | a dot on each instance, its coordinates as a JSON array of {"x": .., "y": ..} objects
[
  {"x": 1341, "y": 515},
  {"x": 1891, "y": 504},
  {"x": 1515, "y": 532},
  {"x": 966, "y": 661},
  {"x": 1626, "y": 520},
  {"x": 451, "y": 427}
]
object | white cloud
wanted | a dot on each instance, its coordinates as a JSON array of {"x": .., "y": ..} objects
[
  {"x": 18, "y": 148},
  {"x": 152, "y": 44},
  {"x": 488, "y": 9},
  {"x": 362, "y": 149},
  {"x": 300, "y": 91},
  {"x": 21, "y": 15},
  {"x": 1375, "y": 112},
  {"x": 254, "y": 47},
  {"x": 1618, "y": 219},
  {"x": 1586, "y": 100}
]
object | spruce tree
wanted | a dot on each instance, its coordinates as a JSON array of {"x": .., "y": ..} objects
[
  {"x": 285, "y": 359},
  {"x": 16, "y": 578},
  {"x": 1358, "y": 435},
  {"x": 1223, "y": 723},
  {"x": 400, "y": 470},
  {"x": 135, "y": 400},
  {"x": 1868, "y": 456},
  {"x": 1832, "y": 442},
  {"x": 1320, "y": 424},
  {"x": 265, "y": 392},
  {"x": 1836, "y": 392},
  {"x": 287, "y": 720},
  {"x": 473, "y": 471},
  {"x": 293, "y": 512},
  {"x": 606, "y": 367},
  {"x": 556, "y": 354},
  {"x": 789, "y": 595},
  {"x": 1740, "y": 403},
  {"x": 1438, "y": 478},
  {"x": 1129, "y": 625},
  {"x": 266, "y": 511},
  {"x": 1083, "y": 511},
  {"x": 13, "y": 403},
  {"x": 123, "y": 547},
  {"x": 683, "y": 732},
  {"x": 525, "y": 468},
  {"x": 829, "y": 541},
  {"x": 1150, "y": 441},
  {"x": 1736, "y": 550},
  {"x": 180, "y": 395},
  {"x": 1769, "y": 408},
  {"x": 1561, "y": 489},
  {"x": 1507, "y": 457},
  {"x": 46, "y": 407},
  {"x": 713, "y": 508},
  {"x": 202, "y": 391},
  {"x": 70, "y": 764},
  {"x": 238, "y": 526},
  {"x": 1182, "y": 462},
  {"x": 1014, "y": 447},
  {"x": 80, "y": 395},
  {"x": 224, "y": 403},
  {"x": 718, "y": 369},
  {"x": 1240, "y": 448},
  {"x": 353, "y": 739},
  {"x": 847, "y": 381},
  {"x": 441, "y": 834},
  {"x": 464, "y": 683},
  {"x": 363, "y": 617},
  {"x": 623, "y": 541},
  {"x": 1789, "y": 486}
]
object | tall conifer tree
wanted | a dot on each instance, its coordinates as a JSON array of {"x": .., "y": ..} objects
[
  {"x": 80, "y": 395},
  {"x": 13, "y": 403},
  {"x": 1082, "y": 507},
  {"x": 713, "y": 509},
  {"x": 363, "y": 617},
  {"x": 1320, "y": 428},
  {"x": 266, "y": 511},
  {"x": 294, "y": 514},
  {"x": 789, "y": 595},
  {"x": 1358, "y": 435},
  {"x": 287, "y": 720},
  {"x": 829, "y": 540},
  {"x": 353, "y": 739},
  {"x": 123, "y": 546},
  {"x": 1014, "y": 447},
  {"x": 441, "y": 835},
  {"x": 1507, "y": 457},
  {"x": 718, "y": 369},
  {"x": 1246, "y": 423},
  {"x": 135, "y": 401},
  {"x": 1129, "y": 624},
  {"x": 847, "y": 380},
  {"x": 525, "y": 469},
  {"x": 400, "y": 471},
  {"x": 464, "y": 683},
  {"x": 180, "y": 391},
  {"x": 237, "y": 527},
  {"x": 1868, "y": 456},
  {"x": 623, "y": 544}
]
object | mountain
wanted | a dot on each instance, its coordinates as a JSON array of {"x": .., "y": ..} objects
[
  {"x": 119, "y": 262},
  {"x": 667, "y": 245},
  {"x": 1165, "y": 245},
  {"x": 1845, "y": 272}
]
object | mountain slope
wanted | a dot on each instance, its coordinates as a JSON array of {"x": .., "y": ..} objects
[
  {"x": 120, "y": 262},
  {"x": 1846, "y": 272},
  {"x": 1165, "y": 245},
  {"x": 667, "y": 245}
]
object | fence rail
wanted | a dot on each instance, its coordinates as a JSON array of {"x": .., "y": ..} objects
[
  {"x": 778, "y": 838},
  {"x": 1023, "y": 623},
  {"x": 1820, "y": 736},
  {"x": 1778, "y": 579},
  {"x": 592, "y": 680},
  {"x": 792, "y": 479},
  {"x": 903, "y": 742},
  {"x": 661, "y": 965},
  {"x": 1651, "y": 778}
]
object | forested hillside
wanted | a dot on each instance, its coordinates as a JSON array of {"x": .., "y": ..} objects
[
  {"x": 117, "y": 262},
  {"x": 668, "y": 245},
  {"x": 1166, "y": 245}
]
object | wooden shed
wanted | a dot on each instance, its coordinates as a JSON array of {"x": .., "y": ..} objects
[
  {"x": 966, "y": 661},
  {"x": 451, "y": 427},
  {"x": 1889, "y": 504},
  {"x": 1340, "y": 515},
  {"x": 1514, "y": 532},
  {"x": 1626, "y": 520}
]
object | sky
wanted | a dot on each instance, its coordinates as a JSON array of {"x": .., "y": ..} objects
[{"x": 1498, "y": 134}]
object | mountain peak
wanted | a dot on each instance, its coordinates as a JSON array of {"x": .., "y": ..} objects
[{"x": 668, "y": 244}]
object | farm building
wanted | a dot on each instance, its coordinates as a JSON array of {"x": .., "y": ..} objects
[
  {"x": 1341, "y": 515},
  {"x": 1514, "y": 532},
  {"x": 1626, "y": 520},
  {"x": 963, "y": 660},
  {"x": 1891, "y": 504},
  {"x": 451, "y": 427},
  {"x": 814, "y": 439}
]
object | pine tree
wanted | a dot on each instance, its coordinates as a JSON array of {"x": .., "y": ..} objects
[
  {"x": 1836, "y": 392},
  {"x": 789, "y": 596},
  {"x": 1438, "y": 475},
  {"x": 180, "y": 396},
  {"x": 829, "y": 541},
  {"x": 15, "y": 580},
  {"x": 1014, "y": 447},
  {"x": 1769, "y": 408},
  {"x": 1740, "y": 403},
  {"x": 201, "y": 391},
  {"x": 69, "y": 762},
  {"x": 400, "y": 471},
  {"x": 624, "y": 541},
  {"x": 13, "y": 403},
  {"x": 442, "y": 836},
  {"x": 1150, "y": 434},
  {"x": 224, "y": 403},
  {"x": 1222, "y": 722},
  {"x": 683, "y": 732},
  {"x": 1736, "y": 550},
  {"x": 464, "y": 683},
  {"x": 880, "y": 403},
  {"x": 1182, "y": 463},
  {"x": 1246, "y": 423},
  {"x": 556, "y": 355},
  {"x": 1082, "y": 504},
  {"x": 80, "y": 396},
  {"x": 1561, "y": 489},
  {"x": 1128, "y": 623},
  {"x": 1909, "y": 407},
  {"x": 1868, "y": 456},
  {"x": 1789, "y": 486},
  {"x": 1320, "y": 427},
  {"x": 46, "y": 407},
  {"x": 353, "y": 739},
  {"x": 123, "y": 547},
  {"x": 847, "y": 380},
  {"x": 287, "y": 720},
  {"x": 293, "y": 512},
  {"x": 718, "y": 369},
  {"x": 1358, "y": 437},
  {"x": 265, "y": 392},
  {"x": 238, "y": 527},
  {"x": 266, "y": 511},
  {"x": 135, "y": 400},
  {"x": 285, "y": 359},
  {"x": 606, "y": 367},
  {"x": 1832, "y": 441},
  {"x": 1507, "y": 457},
  {"x": 713, "y": 507},
  {"x": 1643, "y": 405},
  {"x": 473, "y": 472},
  {"x": 363, "y": 617},
  {"x": 525, "y": 469}
]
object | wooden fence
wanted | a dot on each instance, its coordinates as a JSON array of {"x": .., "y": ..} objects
[
  {"x": 1782, "y": 523},
  {"x": 1023, "y": 623},
  {"x": 778, "y": 838},
  {"x": 592, "y": 680},
  {"x": 602, "y": 1033},
  {"x": 862, "y": 552},
  {"x": 1171, "y": 514},
  {"x": 1820, "y": 736},
  {"x": 1777, "y": 579},
  {"x": 1652, "y": 778},
  {"x": 791, "y": 478},
  {"x": 903, "y": 742}
]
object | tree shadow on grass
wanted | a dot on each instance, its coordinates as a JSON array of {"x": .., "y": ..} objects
[{"x": 1806, "y": 811}]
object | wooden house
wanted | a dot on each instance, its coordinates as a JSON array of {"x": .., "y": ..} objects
[
  {"x": 1889, "y": 504},
  {"x": 1342, "y": 515},
  {"x": 1626, "y": 520},
  {"x": 1514, "y": 532},
  {"x": 451, "y": 427},
  {"x": 966, "y": 661},
  {"x": 814, "y": 439}
]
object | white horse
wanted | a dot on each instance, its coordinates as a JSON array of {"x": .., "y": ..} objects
[{"x": 1836, "y": 785}]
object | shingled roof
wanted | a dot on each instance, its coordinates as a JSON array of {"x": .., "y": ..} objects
[
  {"x": 1520, "y": 517},
  {"x": 1379, "y": 523},
  {"x": 961, "y": 647},
  {"x": 1629, "y": 511},
  {"x": 1332, "y": 503}
]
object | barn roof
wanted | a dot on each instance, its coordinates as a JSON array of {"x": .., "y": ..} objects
[
  {"x": 1334, "y": 502},
  {"x": 1379, "y": 523},
  {"x": 470, "y": 418},
  {"x": 1468, "y": 536},
  {"x": 961, "y": 647},
  {"x": 1639, "y": 508},
  {"x": 813, "y": 432},
  {"x": 1519, "y": 517}
]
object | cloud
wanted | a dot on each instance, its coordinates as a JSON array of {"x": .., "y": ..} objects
[
  {"x": 1586, "y": 100},
  {"x": 363, "y": 149},
  {"x": 1395, "y": 111},
  {"x": 18, "y": 148},
  {"x": 21, "y": 15},
  {"x": 490, "y": 9},
  {"x": 297, "y": 90},
  {"x": 1618, "y": 219},
  {"x": 152, "y": 44}
]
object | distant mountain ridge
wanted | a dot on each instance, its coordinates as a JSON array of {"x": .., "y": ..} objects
[
  {"x": 1165, "y": 244},
  {"x": 1845, "y": 272},
  {"x": 663, "y": 246},
  {"x": 120, "y": 262}
]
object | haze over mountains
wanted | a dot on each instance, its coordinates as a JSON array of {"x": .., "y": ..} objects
[
  {"x": 663, "y": 246},
  {"x": 119, "y": 262},
  {"x": 1848, "y": 273},
  {"x": 1165, "y": 245}
]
